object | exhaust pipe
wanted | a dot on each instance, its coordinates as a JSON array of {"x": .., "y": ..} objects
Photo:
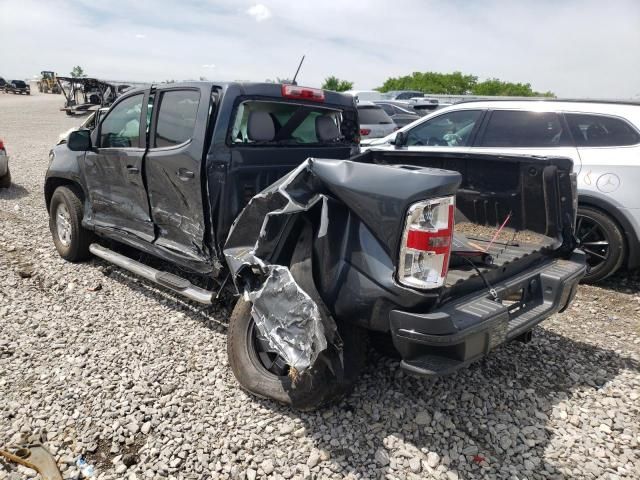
[{"x": 173, "y": 282}]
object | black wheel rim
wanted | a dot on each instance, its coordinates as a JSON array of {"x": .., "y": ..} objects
[
  {"x": 263, "y": 355},
  {"x": 594, "y": 240}
]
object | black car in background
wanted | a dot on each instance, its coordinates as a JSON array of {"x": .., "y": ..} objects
[
  {"x": 3, "y": 84},
  {"x": 18, "y": 86}
]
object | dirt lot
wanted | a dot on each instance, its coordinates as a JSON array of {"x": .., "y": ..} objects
[{"x": 94, "y": 361}]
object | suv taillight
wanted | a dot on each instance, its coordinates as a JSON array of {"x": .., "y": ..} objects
[{"x": 426, "y": 243}]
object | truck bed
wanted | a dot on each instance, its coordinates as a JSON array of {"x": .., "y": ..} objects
[{"x": 502, "y": 252}]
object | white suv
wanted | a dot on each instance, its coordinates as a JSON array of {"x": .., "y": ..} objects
[{"x": 602, "y": 139}]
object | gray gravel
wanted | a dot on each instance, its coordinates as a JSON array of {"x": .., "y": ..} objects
[{"x": 96, "y": 362}]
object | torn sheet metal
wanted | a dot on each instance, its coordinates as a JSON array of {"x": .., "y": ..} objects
[
  {"x": 289, "y": 318},
  {"x": 283, "y": 311}
]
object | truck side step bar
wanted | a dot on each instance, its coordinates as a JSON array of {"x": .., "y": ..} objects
[{"x": 173, "y": 282}]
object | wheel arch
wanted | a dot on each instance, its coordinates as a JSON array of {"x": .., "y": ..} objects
[
  {"x": 52, "y": 183},
  {"x": 630, "y": 236}
]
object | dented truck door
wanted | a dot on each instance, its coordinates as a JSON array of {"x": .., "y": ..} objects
[
  {"x": 173, "y": 169},
  {"x": 113, "y": 171}
]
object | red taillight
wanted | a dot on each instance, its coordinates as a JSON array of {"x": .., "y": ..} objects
[
  {"x": 426, "y": 243},
  {"x": 1, "y": 145},
  {"x": 303, "y": 93},
  {"x": 364, "y": 132}
]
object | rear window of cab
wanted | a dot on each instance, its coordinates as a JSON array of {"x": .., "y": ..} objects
[{"x": 260, "y": 122}]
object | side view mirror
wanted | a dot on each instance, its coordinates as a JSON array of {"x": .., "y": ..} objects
[
  {"x": 79, "y": 141},
  {"x": 401, "y": 139}
]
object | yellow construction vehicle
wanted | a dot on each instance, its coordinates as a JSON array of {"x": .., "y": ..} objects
[{"x": 48, "y": 83}]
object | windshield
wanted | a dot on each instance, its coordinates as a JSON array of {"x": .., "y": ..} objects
[
  {"x": 18, "y": 83},
  {"x": 373, "y": 116},
  {"x": 263, "y": 122}
]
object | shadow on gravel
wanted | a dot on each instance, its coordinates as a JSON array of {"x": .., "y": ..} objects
[
  {"x": 622, "y": 282},
  {"x": 14, "y": 192},
  {"x": 214, "y": 316},
  {"x": 487, "y": 420}
]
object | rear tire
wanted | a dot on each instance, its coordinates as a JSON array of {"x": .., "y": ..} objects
[
  {"x": 5, "y": 181},
  {"x": 602, "y": 240},
  {"x": 71, "y": 239},
  {"x": 315, "y": 387}
]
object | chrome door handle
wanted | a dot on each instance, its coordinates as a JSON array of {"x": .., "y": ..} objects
[
  {"x": 132, "y": 169},
  {"x": 184, "y": 174}
]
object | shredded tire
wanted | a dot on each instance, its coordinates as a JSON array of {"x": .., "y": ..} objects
[{"x": 314, "y": 387}]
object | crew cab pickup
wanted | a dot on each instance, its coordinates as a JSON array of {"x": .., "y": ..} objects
[
  {"x": 258, "y": 188},
  {"x": 18, "y": 87}
]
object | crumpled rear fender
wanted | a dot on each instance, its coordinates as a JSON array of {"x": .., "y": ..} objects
[{"x": 357, "y": 212}]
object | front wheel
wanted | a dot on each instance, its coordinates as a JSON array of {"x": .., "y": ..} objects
[
  {"x": 65, "y": 222},
  {"x": 602, "y": 240},
  {"x": 264, "y": 373}
]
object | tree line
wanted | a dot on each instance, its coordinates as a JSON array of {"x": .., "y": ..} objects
[{"x": 456, "y": 83}]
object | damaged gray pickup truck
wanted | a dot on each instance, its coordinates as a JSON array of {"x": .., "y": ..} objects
[{"x": 442, "y": 256}]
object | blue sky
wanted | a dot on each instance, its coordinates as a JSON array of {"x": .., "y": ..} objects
[{"x": 575, "y": 48}]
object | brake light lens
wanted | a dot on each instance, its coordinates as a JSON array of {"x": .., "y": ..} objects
[
  {"x": 303, "y": 93},
  {"x": 426, "y": 243},
  {"x": 1, "y": 145},
  {"x": 364, "y": 132}
]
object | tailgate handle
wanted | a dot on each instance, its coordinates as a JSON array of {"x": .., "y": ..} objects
[
  {"x": 132, "y": 169},
  {"x": 184, "y": 174}
]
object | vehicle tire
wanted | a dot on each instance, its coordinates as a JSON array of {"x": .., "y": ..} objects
[
  {"x": 315, "y": 387},
  {"x": 5, "y": 181},
  {"x": 602, "y": 239},
  {"x": 65, "y": 222}
]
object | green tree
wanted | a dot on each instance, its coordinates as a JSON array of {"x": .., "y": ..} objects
[
  {"x": 455, "y": 83},
  {"x": 77, "y": 72},
  {"x": 458, "y": 83},
  {"x": 494, "y": 86},
  {"x": 337, "y": 85}
]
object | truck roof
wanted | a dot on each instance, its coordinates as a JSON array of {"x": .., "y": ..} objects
[{"x": 259, "y": 89}]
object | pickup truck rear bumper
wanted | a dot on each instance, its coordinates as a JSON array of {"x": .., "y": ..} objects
[{"x": 464, "y": 330}]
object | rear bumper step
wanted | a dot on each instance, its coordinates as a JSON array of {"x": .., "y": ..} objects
[
  {"x": 173, "y": 282},
  {"x": 440, "y": 342}
]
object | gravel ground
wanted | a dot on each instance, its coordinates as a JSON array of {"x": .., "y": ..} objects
[{"x": 95, "y": 361}]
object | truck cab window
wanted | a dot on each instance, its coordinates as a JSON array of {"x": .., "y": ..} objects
[
  {"x": 176, "y": 117},
  {"x": 447, "y": 130},
  {"x": 258, "y": 122},
  {"x": 121, "y": 127}
]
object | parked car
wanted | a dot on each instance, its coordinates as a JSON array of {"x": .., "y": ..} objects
[
  {"x": 400, "y": 112},
  {"x": 602, "y": 139},
  {"x": 424, "y": 105},
  {"x": 18, "y": 86},
  {"x": 5, "y": 174},
  {"x": 402, "y": 94},
  {"x": 247, "y": 186},
  {"x": 3, "y": 84},
  {"x": 365, "y": 95},
  {"x": 374, "y": 121}
]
